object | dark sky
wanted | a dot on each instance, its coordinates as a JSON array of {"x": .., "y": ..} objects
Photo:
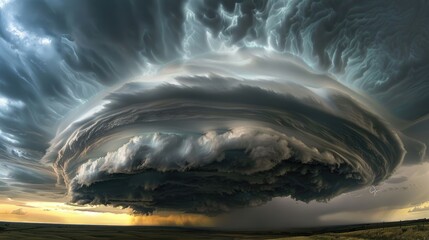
[{"x": 218, "y": 107}]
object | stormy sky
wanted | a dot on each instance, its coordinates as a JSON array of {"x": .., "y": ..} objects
[{"x": 251, "y": 113}]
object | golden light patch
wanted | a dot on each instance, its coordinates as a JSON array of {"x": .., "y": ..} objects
[
  {"x": 58, "y": 212},
  {"x": 49, "y": 212},
  {"x": 174, "y": 219}
]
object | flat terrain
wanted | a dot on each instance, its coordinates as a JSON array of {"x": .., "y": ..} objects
[
  {"x": 416, "y": 230},
  {"x": 391, "y": 233}
]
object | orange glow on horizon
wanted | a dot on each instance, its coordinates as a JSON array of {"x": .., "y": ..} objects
[{"x": 61, "y": 213}]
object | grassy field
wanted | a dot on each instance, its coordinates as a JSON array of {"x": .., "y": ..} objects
[
  {"x": 391, "y": 233},
  {"x": 415, "y": 230}
]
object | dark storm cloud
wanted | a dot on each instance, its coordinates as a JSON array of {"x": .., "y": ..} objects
[
  {"x": 57, "y": 55},
  {"x": 191, "y": 155}
]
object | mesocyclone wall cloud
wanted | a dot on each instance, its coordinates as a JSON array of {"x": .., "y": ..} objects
[{"x": 209, "y": 106}]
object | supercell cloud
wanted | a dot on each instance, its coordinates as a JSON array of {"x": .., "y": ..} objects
[
  {"x": 210, "y": 144},
  {"x": 209, "y": 106}
]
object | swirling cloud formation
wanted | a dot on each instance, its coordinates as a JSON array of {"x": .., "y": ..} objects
[
  {"x": 209, "y": 144},
  {"x": 246, "y": 100}
]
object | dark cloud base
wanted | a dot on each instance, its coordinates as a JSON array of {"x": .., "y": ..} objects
[{"x": 205, "y": 190}]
